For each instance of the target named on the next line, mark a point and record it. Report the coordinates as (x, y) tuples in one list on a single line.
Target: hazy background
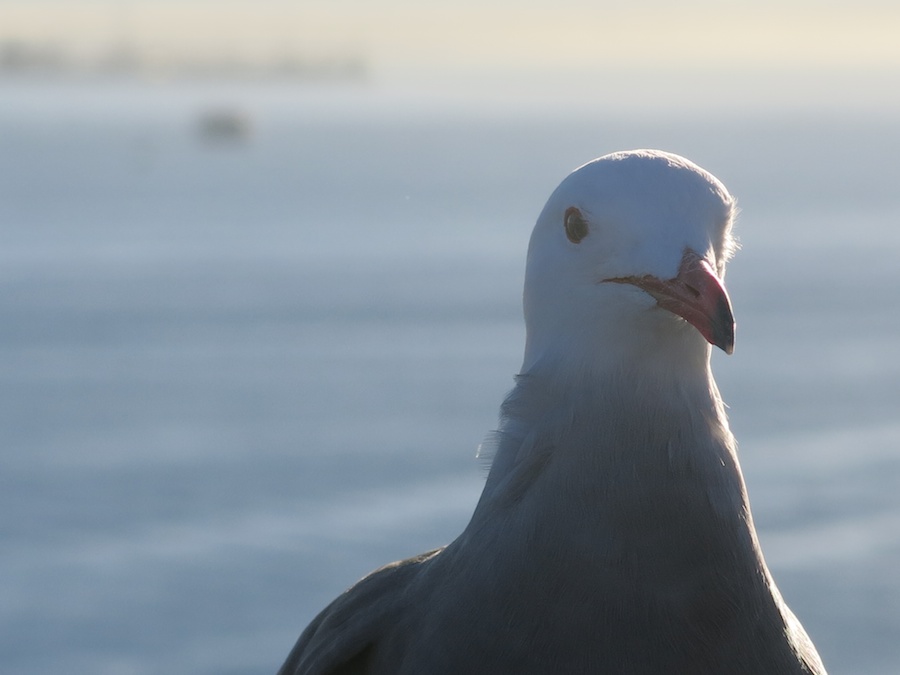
[(260, 285)]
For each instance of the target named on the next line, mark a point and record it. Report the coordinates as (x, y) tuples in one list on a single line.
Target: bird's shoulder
[(341, 639)]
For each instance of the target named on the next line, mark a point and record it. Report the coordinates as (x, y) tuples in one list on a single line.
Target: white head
[(625, 266)]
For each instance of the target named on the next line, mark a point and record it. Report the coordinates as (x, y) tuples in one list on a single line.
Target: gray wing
[(343, 638)]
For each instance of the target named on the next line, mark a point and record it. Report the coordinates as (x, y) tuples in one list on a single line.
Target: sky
[(695, 54), (402, 35)]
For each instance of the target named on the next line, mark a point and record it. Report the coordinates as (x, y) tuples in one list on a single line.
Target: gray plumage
[(614, 533)]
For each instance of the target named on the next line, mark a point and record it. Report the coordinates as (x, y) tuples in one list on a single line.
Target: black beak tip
[(723, 327)]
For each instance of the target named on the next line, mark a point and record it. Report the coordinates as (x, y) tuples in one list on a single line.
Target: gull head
[(626, 266)]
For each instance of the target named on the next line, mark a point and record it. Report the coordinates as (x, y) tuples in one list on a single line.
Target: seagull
[(614, 533)]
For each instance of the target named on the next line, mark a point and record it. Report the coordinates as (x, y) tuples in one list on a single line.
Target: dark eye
[(576, 225)]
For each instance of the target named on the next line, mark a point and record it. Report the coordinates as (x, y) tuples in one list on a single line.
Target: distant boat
[(224, 125)]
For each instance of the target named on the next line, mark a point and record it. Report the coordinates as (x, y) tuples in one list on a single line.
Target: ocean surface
[(238, 373)]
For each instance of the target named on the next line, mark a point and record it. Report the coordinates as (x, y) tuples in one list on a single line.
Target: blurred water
[(236, 376)]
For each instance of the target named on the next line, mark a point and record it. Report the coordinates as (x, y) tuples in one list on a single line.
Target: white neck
[(591, 422)]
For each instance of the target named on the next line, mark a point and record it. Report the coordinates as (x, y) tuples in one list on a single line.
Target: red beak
[(697, 295)]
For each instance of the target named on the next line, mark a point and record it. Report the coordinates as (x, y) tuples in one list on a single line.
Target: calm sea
[(237, 373)]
